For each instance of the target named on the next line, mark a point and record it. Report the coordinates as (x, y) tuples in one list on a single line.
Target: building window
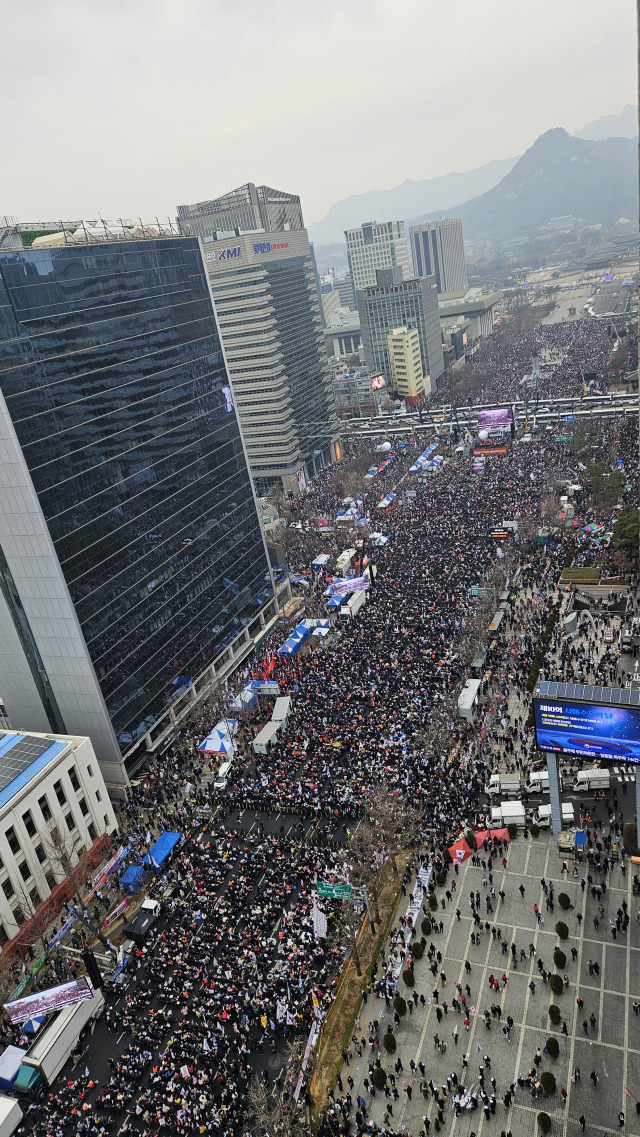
[(90, 771), (70, 822), (60, 794), (34, 897), (44, 808), (40, 854), (25, 871), (73, 778), (3, 935), (98, 795), (91, 830), (12, 840), (7, 888), (51, 880), (84, 808), (29, 823)]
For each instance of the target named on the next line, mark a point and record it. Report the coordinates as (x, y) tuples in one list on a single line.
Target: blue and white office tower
[(133, 569)]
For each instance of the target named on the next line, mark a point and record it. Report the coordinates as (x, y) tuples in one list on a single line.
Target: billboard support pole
[(554, 793), (637, 776)]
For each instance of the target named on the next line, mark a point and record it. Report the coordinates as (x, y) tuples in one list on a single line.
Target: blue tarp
[(162, 849), (131, 881)]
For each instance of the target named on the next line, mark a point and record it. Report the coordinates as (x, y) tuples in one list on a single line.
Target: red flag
[(459, 851)]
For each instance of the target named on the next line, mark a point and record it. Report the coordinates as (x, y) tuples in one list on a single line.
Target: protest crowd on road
[(237, 974)]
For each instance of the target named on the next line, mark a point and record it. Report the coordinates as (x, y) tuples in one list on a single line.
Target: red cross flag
[(459, 851)]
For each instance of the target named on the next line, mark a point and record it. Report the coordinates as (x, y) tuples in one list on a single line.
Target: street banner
[(63, 931), (115, 913), (460, 851), (346, 586), (319, 921), (47, 1001)]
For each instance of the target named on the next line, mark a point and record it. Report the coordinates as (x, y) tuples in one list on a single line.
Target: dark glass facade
[(112, 372)]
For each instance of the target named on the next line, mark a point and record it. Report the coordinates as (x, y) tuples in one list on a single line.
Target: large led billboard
[(587, 730), (50, 1000)]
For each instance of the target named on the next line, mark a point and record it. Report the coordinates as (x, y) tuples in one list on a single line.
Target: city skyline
[(100, 105)]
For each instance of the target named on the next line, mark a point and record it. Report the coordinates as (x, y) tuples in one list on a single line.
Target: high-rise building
[(405, 360), (133, 571), (437, 249), (243, 210), (269, 315), (396, 303), (375, 246)]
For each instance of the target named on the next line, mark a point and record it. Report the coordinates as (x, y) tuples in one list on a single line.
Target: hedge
[(556, 984), (399, 1005), (389, 1042), (564, 901), (417, 949), (559, 958), (426, 926), (553, 1047), (380, 1076), (512, 830), (562, 930), (544, 1122), (433, 901), (554, 1013), (441, 878), (408, 977), (535, 830)]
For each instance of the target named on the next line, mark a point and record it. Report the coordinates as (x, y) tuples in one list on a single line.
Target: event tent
[(162, 850)]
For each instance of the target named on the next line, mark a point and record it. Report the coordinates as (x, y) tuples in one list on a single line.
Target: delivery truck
[(503, 785), (542, 816), (538, 782), (139, 927), (54, 1046), (508, 813), (592, 779)]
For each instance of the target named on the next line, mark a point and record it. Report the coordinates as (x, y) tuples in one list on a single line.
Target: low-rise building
[(55, 812), (359, 394), (473, 305)]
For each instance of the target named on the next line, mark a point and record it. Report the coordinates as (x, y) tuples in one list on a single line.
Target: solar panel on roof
[(20, 756)]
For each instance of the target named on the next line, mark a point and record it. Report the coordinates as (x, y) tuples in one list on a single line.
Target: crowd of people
[(238, 972)]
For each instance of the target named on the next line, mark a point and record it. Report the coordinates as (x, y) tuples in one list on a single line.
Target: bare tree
[(272, 1110)]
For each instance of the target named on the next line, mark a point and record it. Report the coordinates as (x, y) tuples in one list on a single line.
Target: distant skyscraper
[(269, 315), (437, 249), (374, 246), (244, 209), (395, 303), (133, 570)]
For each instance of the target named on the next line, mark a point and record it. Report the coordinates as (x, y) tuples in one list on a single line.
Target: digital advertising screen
[(588, 730)]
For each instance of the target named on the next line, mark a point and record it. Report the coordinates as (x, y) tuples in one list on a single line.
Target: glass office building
[(131, 554)]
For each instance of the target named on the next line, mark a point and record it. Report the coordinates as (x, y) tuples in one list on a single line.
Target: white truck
[(503, 785), (10, 1116), (592, 779), (352, 606), (508, 813), (54, 1046), (538, 782), (344, 562), (542, 816)]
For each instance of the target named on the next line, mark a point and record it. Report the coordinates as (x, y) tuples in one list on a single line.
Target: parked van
[(592, 779), (542, 816), (538, 782), (222, 777), (501, 785)]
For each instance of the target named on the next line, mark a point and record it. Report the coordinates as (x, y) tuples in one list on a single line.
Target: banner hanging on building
[(50, 1000)]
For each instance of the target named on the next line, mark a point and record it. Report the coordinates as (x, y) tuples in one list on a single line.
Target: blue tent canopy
[(132, 880), (295, 641), (162, 849)]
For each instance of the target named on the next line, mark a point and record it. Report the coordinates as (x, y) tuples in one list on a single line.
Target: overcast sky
[(130, 107)]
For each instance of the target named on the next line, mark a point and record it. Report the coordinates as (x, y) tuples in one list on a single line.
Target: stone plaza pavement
[(611, 1049)]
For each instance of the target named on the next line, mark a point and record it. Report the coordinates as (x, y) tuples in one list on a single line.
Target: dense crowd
[(238, 972)]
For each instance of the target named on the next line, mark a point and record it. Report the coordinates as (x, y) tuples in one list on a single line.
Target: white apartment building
[(375, 246), (47, 782)]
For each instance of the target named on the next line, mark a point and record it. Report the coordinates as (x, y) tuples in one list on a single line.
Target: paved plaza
[(611, 1048)]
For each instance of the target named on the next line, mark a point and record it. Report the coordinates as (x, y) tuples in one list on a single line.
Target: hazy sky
[(129, 107)]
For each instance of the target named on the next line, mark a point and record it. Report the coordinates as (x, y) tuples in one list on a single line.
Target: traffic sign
[(477, 591), (334, 891)]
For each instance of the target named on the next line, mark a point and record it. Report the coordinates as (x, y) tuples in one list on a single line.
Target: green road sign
[(477, 591), (334, 891)]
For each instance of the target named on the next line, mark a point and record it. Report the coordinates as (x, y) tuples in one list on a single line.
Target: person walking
[(582, 1121)]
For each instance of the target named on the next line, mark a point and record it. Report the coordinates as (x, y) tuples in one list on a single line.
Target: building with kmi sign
[(268, 312)]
